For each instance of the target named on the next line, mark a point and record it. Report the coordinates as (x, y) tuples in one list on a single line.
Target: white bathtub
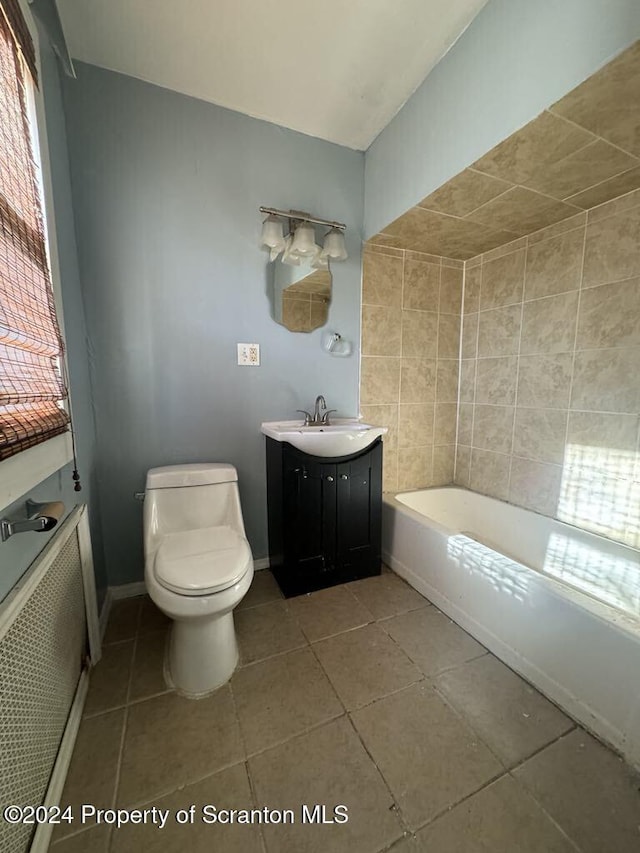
[(557, 604)]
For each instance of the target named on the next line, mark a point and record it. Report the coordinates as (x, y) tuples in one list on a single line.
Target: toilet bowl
[(198, 567)]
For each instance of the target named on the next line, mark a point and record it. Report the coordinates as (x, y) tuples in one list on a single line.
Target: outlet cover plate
[(249, 355)]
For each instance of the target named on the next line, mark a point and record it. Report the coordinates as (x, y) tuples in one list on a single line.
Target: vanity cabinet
[(324, 516)]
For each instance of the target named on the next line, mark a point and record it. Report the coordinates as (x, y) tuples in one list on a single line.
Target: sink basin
[(342, 438)]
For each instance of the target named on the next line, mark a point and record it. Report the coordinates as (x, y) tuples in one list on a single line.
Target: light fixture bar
[(302, 217)]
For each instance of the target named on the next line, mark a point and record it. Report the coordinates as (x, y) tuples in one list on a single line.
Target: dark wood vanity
[(324, 516)]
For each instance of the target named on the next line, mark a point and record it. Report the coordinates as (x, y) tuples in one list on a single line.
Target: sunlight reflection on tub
[(502, 572)]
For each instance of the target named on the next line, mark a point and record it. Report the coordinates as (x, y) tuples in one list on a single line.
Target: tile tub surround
[(549, 393), (411, 306)]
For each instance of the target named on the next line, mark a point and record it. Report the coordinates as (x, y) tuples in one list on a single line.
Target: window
[(32, 389)]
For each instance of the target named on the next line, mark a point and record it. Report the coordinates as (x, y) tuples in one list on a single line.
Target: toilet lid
[(197, 562)]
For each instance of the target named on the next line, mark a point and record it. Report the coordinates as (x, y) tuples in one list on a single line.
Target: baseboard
[(128, 590), (262, 563), (105, 612)]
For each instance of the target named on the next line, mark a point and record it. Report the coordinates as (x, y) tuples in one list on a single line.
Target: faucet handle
[(308, 419), (325, 417)]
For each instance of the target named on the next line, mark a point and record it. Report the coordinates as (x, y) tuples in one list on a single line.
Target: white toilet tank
[(188, 497)]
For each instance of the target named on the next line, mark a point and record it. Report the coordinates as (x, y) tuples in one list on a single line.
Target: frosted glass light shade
[(304, 241), (272, 233), (334, 246)]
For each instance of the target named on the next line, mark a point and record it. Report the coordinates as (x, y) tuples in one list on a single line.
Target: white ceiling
[(338, 69)]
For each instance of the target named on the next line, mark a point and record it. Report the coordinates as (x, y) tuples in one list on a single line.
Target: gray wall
[(515, 59), (17, 554), (166, 191)]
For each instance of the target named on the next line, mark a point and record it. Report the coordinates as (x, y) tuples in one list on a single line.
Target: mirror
[(302, 296)]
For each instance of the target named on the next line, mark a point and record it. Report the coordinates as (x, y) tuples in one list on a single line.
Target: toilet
[(198, 568)]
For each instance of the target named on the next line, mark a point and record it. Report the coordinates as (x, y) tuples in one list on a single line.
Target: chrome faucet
[(320, 415)]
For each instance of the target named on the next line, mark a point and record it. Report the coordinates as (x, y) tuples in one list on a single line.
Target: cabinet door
[(309, 513), (359, 511)]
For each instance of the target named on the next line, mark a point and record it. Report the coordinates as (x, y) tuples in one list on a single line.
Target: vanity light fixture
[(300, 241)]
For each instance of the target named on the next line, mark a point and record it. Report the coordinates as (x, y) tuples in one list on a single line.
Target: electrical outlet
[(249, 355)]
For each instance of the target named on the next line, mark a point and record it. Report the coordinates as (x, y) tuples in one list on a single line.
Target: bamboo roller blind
[(31, 385)]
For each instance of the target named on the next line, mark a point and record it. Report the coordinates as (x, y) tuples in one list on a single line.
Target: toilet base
[(201, 655)]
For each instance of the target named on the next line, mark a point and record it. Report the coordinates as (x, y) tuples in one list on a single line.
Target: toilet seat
[(201, 561)]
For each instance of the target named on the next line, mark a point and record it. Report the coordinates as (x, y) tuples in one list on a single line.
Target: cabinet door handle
[(330, 478), (344, 476)]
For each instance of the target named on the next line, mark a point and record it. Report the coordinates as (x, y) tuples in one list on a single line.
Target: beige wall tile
[(568, 224), (415, 424), (390, 470), (489, 473), (414, 467), (612, 248), (610, 315), (535, 485), (444, 431), (493, 428), (588, 166), (382, 280), (444, 459), (545, 380), (533, 148), (503, 280), (386, 416), (596, 429), (421, 285), (447, 380), (319, 313), (448, 336), (469, 335), (419, 334), (296, 314), (606, 380), (614, 207), (554, 265), (506, 249), (499, 331), (496, 380), (373, 247), (472, 278), (602, 102), (522, 211), (540, 434), (418, 383), (467, 380), (450, 290), (381, 330), (549, 324), (464, 193), (463, 466), (379, 381), (465, 423), (607, 190)]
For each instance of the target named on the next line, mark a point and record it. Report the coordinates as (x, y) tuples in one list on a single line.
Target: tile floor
[(364, 695)]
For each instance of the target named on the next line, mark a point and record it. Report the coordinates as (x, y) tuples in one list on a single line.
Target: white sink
[(342, 438)]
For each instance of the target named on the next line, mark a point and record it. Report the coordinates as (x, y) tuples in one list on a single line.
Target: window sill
[(21, 473)]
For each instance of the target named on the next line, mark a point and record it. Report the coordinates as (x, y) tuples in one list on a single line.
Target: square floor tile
[(263, 589), (109, 679), (123, 619), (328, 611), (590, 792), (171, 740), (327, 766), (94, 840), (428, 756), (508, 714), (267, 630), (147, 678), (151, 617), (228, 789), (281, 697), (387, 595), (92, 773), (432, 640), (502, 818), (365, 664)]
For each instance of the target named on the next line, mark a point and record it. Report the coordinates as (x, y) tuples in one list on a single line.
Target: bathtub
[(558, 605)]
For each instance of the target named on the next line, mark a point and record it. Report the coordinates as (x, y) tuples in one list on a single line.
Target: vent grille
[(40, 665)]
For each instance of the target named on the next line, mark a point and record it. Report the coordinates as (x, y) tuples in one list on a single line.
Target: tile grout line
[(575, 348), (517, 379)]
